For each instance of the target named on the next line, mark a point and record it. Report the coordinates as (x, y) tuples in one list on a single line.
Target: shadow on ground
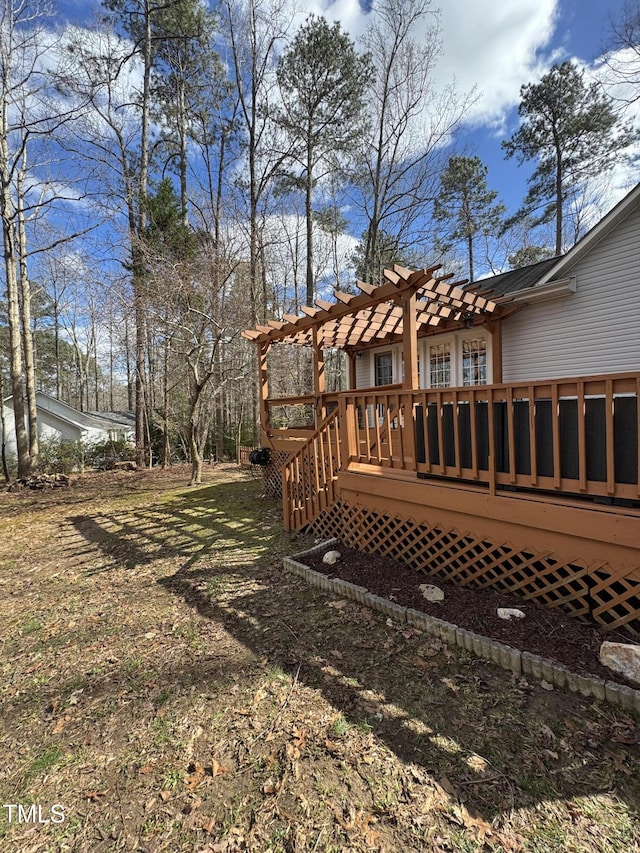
[(435, 708)]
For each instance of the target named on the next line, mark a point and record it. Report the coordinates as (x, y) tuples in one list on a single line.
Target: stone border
[(507, 657)]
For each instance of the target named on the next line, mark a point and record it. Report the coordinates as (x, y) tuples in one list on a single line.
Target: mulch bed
[(547, 632)]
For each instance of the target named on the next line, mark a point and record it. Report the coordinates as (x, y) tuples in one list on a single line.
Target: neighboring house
[(57, 420), (490, 433)]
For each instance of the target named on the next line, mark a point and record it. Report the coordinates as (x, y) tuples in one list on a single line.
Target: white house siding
[(365, 365), (594, 330), (363, 369), (57, 420), (10, 438), (52, 426)]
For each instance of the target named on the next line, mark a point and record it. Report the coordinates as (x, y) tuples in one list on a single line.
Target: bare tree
[(255, 28), (410, 119), (623, 57), (33, 117)]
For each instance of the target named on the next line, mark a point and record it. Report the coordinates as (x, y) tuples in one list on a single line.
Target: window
[(384, 368), (457, 360), (474, 361), (440, 365)]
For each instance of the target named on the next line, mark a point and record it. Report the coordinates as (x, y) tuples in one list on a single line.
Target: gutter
[(545, 292)]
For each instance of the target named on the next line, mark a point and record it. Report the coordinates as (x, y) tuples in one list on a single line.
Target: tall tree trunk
[(166, 443), (111, 366), (197, 461), (56, 346), (3, 427), (308, 210), (138, 264), (558, 202), (25, 319), (127, 347), (15, 350)]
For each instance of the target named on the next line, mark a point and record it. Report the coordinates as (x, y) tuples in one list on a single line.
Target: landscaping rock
[(622, 658), (431, 593), (509, 613), (331, 558)]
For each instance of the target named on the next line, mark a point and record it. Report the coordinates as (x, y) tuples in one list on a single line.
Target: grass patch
[(186, 691), (31, 626), (44, 761)]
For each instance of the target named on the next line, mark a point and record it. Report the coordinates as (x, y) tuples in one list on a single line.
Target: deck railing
[(576, 436), (573, 435), (308, 478)]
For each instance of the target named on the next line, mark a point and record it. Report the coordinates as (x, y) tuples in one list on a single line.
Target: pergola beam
[(350, 304), (377, 312)]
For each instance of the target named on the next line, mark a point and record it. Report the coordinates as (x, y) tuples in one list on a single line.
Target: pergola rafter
[(376, 313), (407, 305)]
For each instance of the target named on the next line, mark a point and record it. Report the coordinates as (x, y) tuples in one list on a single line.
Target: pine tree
[(572, 132), (322, 79), (467, 205)]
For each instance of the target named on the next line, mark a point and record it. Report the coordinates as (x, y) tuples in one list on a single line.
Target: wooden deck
[(531, 488), (571, 437)]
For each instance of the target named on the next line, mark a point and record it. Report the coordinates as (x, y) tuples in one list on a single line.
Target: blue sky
[(495, 48), (568, 29)]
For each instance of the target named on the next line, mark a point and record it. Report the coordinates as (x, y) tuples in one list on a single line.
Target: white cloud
[(496, 47), (492, 47), (623, 176)]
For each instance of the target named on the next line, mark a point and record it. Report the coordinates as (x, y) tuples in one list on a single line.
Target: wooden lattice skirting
[(272, 473), (599, 594)]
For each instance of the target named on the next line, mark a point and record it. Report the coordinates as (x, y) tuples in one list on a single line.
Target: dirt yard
[(166, 685)]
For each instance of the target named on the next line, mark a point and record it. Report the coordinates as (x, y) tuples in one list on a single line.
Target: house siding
[(592, 331), (363, 369)]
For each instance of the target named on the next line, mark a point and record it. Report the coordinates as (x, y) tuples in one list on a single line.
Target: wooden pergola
[(408, 305), (505, 485)]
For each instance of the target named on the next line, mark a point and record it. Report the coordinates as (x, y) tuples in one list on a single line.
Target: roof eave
[(619, 212)]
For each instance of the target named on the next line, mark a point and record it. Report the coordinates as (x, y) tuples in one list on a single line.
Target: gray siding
[(594, 330), (363, 369)]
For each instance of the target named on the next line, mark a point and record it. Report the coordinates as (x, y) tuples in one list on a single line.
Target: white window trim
[(396, 364), (455, 340)]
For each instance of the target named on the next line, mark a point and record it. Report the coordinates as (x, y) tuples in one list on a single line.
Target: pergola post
[(351, 355), (319, 379), (263, 349), (495, 327), (409, 341), (410, 382)]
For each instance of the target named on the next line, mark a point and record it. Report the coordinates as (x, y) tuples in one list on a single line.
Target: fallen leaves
[(358, 823), (95, 796), (471, 821), (212, 748), (198, 773), (195, 778), (271, 786), (217, 769)]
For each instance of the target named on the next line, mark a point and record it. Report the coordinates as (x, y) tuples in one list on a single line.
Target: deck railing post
[(347, 440), (409, 428), (342, 423)]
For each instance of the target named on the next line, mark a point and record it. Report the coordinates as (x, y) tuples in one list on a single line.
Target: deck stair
[(309, 477)]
